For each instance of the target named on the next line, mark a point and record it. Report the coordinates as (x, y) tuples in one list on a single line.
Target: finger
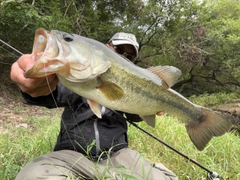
[(25, 62), (160, 113), (43, 81), (45, 89), (49, 81), (42, 91)]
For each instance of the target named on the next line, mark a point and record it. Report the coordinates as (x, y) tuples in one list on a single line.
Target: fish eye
[(68, 37)]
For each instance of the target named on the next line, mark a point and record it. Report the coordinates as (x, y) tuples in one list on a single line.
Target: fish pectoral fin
[(95, 107), (110, 90), (212, 124), (150, 120), (169, 74)]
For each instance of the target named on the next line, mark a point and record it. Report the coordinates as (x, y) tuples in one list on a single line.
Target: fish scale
[(92, 70)]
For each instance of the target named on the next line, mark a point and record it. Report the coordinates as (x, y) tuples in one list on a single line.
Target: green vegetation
[(214, 99), (201, 38), (19, 144), (219, 155)]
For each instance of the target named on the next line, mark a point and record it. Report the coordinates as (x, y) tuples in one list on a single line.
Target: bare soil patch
[(14, 112)]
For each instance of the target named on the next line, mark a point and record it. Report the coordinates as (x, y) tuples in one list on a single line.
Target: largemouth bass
[(92, 70)]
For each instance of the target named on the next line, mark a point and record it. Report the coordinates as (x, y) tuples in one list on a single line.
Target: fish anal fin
[(150, 120), (95, 107), (169, 74), (110, 90), (212, 124)]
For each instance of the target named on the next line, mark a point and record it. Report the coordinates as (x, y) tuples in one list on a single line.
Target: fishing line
[(49, 87), (47, 83), (55, 102), (8, 51), (211, 175)]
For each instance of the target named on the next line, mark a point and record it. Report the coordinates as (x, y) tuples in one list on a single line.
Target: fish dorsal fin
[(110, 90), (150, 120), (169, 74), (95, 107)]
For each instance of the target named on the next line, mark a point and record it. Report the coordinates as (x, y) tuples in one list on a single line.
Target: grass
[(214, 99), (221, 155), (23, 144)]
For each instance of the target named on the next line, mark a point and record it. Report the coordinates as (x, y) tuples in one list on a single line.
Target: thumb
[(26, 62)]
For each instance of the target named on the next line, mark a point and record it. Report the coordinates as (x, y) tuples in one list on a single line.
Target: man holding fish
[(88, 146)]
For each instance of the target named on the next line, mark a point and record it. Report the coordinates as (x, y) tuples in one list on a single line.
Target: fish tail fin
[(211, 124)]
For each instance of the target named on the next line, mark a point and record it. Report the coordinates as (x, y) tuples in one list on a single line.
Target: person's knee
[(165, 170), (44, 168)]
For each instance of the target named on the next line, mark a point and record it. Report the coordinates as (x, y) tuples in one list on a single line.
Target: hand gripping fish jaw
[(94, 71), (211, 175)]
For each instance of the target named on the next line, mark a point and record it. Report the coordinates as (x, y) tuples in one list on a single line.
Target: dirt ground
[(14, 112)]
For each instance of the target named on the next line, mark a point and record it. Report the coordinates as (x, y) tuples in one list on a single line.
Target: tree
[(201, 38), (195, 37)]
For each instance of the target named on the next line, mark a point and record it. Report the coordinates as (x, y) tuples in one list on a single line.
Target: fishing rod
[(211, 175), (11, 47)]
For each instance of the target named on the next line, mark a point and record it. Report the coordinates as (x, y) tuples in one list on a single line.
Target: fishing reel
[(214, 176)]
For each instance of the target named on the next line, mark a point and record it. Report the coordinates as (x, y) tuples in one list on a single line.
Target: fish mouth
[(40, 43), (45, 53)]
